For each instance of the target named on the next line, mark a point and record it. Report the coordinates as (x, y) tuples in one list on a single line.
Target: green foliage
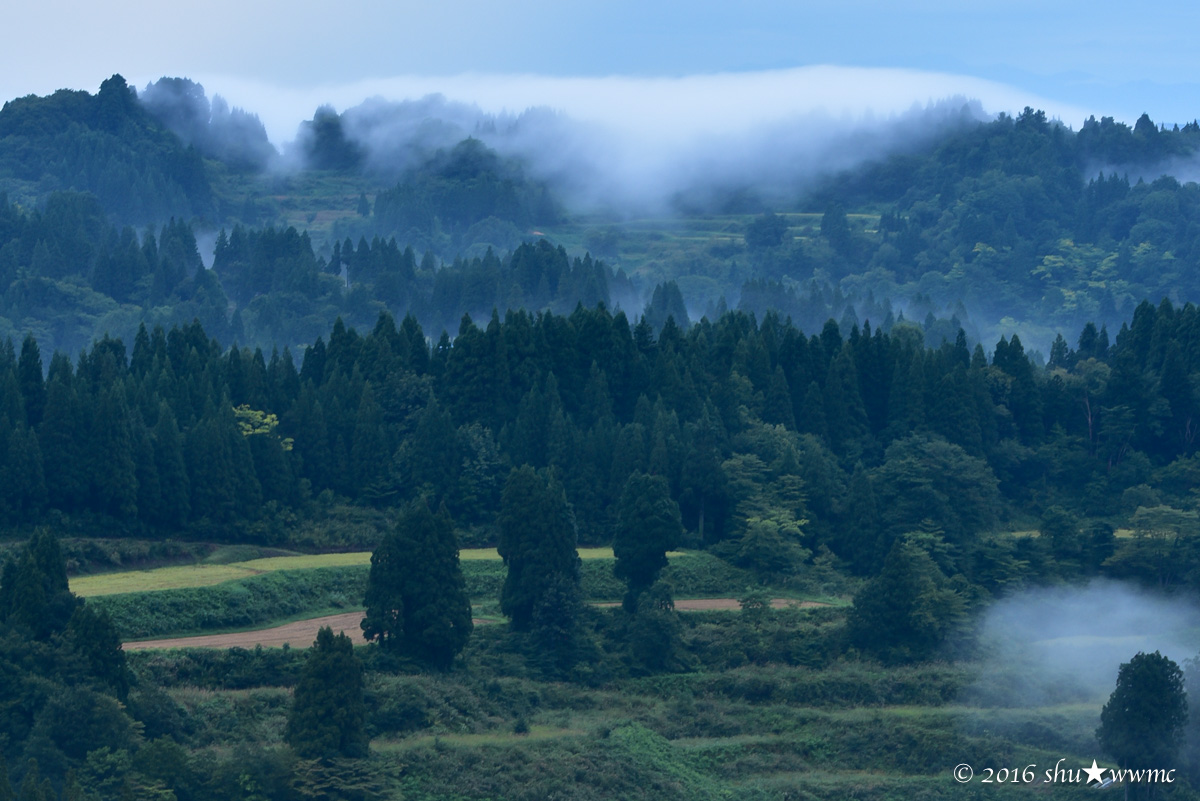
[(766, 231), (537, 543), (1142, 724), (236, 604), (106, 144), (929, 478), (461, 187), (328, 716), (416, 599), (905, 612), (93, 635), (655, 632), (648, 525)]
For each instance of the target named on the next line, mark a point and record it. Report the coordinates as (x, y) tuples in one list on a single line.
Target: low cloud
[(1063, 644), (647, 144)]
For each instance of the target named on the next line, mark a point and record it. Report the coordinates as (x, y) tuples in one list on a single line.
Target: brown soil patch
[(299, 634), (705, 604)]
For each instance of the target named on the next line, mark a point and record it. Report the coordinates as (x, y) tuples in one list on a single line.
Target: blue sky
[(1104, 58)]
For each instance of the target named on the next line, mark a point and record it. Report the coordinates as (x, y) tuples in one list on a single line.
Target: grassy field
[(206, 575)]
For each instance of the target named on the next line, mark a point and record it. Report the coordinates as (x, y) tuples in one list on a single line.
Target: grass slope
[(265, 597), (208, 574)]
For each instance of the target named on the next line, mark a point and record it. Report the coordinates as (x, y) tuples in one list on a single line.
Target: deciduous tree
[(1142, 724)]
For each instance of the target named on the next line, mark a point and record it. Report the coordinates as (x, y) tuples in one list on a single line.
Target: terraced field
[(206, 575)]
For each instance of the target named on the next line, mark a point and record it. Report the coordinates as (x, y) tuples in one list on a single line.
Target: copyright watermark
[(1062, 774)]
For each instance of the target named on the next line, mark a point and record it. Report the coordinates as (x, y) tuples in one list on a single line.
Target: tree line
[(777, 447)]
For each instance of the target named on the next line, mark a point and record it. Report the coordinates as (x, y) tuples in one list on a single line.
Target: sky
[(627, 56)]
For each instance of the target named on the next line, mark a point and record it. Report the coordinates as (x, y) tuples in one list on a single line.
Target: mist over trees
[(971, 220), (230, 135), (424, 327)]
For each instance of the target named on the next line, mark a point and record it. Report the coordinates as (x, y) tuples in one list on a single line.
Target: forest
[(1013, 224), (728, 503)]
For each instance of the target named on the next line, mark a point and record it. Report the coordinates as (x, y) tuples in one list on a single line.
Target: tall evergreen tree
[(93, 636), (328, 715), (416, 598), (537, 543), (29, 374), (648, 525)]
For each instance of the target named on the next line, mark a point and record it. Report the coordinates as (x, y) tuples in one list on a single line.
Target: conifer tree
[(860, 527), (648, 525), (416, 598), (328, 714), (904, 613), (171, 471), (93, 635), (537, 543), (29, 373), (58, 437)]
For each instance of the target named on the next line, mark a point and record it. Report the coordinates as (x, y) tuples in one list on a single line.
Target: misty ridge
[(700, 163), (594, 167), (231, 135)]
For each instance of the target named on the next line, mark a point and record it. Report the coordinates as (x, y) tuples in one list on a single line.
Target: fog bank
[(1062, 644)]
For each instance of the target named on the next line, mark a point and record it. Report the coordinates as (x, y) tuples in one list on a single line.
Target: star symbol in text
[(1095, 773)]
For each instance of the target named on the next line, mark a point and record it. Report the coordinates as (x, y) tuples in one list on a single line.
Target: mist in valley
[(1061, 645)]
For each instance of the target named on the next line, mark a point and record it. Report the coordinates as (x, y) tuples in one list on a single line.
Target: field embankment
[(277, 592), (301, 633)]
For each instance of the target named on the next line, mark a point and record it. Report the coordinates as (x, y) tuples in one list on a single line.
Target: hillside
[(919, 428)]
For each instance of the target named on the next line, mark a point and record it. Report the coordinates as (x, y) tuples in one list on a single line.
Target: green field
[(205, 575)]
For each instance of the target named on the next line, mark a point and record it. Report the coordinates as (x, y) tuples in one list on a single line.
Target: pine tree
[(59, 439), (845, 415), (110, 456), (860, 527), (371, 451), (171, 471), (31, 789), (537, 543), (328, 714), (777, 404), (416, 598)]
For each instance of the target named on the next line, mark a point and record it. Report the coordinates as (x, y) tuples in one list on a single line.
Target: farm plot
[(206, 575)]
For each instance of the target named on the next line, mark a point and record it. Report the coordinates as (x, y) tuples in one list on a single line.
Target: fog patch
[(206, 243), (645, 144), (1058, 645), (1184, 168), (218, 131)]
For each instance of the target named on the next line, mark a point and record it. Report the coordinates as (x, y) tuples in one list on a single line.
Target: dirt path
[(706, 604), (302, 633)]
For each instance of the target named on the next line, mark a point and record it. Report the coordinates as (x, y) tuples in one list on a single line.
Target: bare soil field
[(298, 634), (302, 633)]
